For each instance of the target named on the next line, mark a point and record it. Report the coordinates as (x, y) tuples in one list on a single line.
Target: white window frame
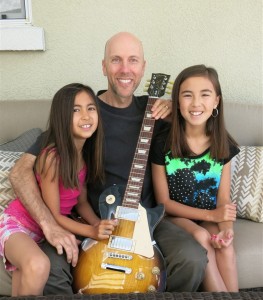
[(20, 34)]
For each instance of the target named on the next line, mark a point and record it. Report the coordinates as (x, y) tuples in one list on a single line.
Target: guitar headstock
[(159, 85)]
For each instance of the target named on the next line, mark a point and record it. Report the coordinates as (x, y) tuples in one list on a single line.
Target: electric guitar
[(129, 261)]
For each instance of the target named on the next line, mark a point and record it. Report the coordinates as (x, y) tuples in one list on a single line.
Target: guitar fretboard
[(133, 190)]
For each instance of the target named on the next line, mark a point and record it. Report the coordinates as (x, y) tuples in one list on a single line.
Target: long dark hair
[(215, 127), (59, 136)]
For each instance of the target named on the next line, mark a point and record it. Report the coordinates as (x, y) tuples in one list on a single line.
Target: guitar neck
[(133, 190)]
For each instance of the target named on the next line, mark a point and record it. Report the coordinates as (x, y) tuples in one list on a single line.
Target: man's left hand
[(162, 109)]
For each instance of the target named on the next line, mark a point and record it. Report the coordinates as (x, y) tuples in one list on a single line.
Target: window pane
[(12, 9)]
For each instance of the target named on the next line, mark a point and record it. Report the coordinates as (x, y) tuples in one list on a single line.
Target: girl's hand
[(161, 109), (223, 239), (104, 229), (226, 212)]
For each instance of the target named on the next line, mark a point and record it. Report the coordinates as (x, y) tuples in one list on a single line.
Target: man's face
[(123, 65)]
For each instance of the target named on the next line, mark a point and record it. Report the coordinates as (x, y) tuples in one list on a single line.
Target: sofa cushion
[(7, 160), (22, 142), (248, 241), (247, 183)]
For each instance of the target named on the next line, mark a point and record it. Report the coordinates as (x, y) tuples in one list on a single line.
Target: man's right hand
[(27, 190), (62, 239)]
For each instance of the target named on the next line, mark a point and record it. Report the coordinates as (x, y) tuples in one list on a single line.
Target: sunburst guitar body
[(129, 261)]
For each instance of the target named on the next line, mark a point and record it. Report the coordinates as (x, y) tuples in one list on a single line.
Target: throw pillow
[(247, 183), (23, 142), (7, 160)]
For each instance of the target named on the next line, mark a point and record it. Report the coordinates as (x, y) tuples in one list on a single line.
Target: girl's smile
[(197, 99)]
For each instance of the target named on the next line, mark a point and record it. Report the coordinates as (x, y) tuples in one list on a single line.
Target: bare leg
[(213, 281), (32, 264), (226, 261)]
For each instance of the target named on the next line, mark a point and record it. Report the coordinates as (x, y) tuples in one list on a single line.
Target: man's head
[(123, 64)]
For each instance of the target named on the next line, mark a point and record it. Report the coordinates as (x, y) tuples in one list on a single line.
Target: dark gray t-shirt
[(121, 130)]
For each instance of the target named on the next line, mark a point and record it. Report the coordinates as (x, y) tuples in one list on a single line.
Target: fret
[(131, 200), (148, 115), (144, 141), (141, 151), (134, 187), (137, 173), (136, 179), (133, 194), (137, 166), (147, 128)]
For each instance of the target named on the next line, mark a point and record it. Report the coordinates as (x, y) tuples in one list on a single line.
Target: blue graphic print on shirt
[(194, 181)]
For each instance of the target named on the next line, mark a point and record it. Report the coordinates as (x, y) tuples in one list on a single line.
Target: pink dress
[(17, 219)]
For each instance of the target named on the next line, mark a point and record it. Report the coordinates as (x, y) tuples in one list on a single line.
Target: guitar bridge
[(119, 256), (116, 268)]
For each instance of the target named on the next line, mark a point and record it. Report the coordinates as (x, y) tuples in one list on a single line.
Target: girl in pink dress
[(71, 155)]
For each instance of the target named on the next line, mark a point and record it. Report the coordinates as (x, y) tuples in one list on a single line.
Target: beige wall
[(225, 34)]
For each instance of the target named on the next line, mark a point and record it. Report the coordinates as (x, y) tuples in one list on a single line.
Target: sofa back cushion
[(247, 183)]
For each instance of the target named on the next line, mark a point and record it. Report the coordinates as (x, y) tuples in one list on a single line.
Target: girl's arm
[(85, 210), (223, 198), (177, 209), (50, 193)]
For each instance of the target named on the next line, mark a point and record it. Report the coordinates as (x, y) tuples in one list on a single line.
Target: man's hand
[(161, 109), (62, 239)]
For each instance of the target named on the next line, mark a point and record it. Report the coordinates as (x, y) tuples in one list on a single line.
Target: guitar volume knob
[(140, 276), (156, 271), (151, 288)]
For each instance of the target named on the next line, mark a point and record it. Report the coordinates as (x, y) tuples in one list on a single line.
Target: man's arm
[(25, 186)]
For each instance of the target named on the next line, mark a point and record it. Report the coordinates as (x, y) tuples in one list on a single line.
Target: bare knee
[(202, 236), (37, 267), (228, 252)]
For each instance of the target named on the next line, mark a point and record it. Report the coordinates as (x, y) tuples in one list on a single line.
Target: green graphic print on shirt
[(194, 181)]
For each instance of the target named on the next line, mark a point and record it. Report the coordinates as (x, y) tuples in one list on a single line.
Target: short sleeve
[(36, 147), (233, 150), (157, 154)]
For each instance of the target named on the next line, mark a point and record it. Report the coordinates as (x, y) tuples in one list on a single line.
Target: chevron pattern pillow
[(7, 160), (247, 182)]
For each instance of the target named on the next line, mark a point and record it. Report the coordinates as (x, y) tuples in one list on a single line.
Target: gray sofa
[(243, 121)]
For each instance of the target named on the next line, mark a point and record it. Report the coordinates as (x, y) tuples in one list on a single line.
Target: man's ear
[(144, 65), (104, 68)]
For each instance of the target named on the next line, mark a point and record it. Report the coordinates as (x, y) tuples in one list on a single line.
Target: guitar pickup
[(127, 213), (116, 268), (121, 243)]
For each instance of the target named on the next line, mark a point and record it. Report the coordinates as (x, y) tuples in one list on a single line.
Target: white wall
[(225, 34)]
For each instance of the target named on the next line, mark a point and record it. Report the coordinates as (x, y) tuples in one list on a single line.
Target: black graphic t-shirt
[(194, 180)]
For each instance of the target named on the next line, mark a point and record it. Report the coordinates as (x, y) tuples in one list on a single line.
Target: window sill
[(22, 38)]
